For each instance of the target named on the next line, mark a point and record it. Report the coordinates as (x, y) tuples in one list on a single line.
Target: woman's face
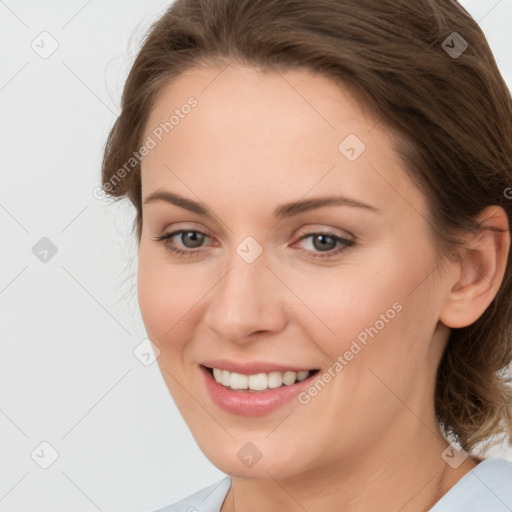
[(349, 288)]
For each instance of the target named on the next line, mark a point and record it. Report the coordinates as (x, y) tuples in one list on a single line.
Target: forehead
[(292, 104), (251, 131)]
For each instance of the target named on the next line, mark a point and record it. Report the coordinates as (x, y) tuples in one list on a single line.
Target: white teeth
[(275, 380), (259, 381), (225, 378), (302, 375), (217, 374), (289, 378), (239, 381)]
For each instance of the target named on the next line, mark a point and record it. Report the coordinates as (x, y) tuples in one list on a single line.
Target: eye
[(322, 244), (191, 239)]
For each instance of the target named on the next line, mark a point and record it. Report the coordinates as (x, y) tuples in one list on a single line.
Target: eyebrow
[(281, 212)]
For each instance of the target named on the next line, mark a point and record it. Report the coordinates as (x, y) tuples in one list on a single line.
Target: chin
[(255, 460)]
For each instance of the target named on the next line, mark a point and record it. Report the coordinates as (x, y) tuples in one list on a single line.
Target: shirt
[(486, 488)]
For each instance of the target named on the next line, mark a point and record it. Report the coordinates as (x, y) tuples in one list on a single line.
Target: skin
[(369, 439)]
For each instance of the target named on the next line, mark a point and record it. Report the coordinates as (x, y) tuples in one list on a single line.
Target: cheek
[(344, 304), (373, 314), (376, 336), (165, 297)]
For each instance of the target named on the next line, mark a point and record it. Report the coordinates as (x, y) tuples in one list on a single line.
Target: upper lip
[(251, 367)]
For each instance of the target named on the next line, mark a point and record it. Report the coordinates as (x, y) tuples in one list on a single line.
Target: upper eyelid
[(319, 229), (334, 232)]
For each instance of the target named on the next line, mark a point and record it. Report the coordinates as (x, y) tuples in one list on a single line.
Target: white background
[(68, 375)]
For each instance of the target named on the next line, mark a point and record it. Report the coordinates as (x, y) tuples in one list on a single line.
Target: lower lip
[(243, 403)]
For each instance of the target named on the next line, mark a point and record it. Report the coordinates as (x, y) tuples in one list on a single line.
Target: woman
[(323, 225)]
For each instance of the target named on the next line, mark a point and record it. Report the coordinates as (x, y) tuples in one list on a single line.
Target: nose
[(247, 302)]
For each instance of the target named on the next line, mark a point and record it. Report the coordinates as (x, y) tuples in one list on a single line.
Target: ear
[(480, 271)]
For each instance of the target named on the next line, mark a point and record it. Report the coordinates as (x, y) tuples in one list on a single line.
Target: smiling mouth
[(260, 381)]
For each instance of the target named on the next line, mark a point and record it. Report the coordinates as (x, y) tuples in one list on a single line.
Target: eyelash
[(317, 255)]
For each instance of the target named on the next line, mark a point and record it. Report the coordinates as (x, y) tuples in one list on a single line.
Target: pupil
[(193, 237), (331, 242)]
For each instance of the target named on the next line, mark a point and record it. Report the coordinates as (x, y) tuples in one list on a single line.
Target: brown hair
[(452, 115)]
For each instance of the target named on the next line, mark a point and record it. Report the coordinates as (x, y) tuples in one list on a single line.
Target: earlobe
[(480, 270)]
